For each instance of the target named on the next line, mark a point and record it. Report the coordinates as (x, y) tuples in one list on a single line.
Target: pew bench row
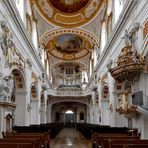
[(112, 137), (117, 141), (21, 140), (33, 136)]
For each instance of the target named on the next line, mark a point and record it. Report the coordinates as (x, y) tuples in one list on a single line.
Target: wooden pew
[(129, 146), (43, 137), (17, 145), (88, 129), (35, 141), (52, 129), (98, 139), (129, 143)]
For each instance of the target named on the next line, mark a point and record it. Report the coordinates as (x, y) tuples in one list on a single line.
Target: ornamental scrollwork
[(6, 42), (6, 88), (13, 57)]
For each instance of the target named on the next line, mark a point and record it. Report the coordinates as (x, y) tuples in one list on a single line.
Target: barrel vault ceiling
[(69, 29)]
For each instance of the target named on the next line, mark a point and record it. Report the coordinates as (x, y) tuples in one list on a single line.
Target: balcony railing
[(69, 92)]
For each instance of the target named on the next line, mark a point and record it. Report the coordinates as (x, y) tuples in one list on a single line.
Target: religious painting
[(68, 43), (69, 6)]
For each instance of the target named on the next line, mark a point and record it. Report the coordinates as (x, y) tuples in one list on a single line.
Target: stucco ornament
[(69, 13), (6, 42), (6, 88)]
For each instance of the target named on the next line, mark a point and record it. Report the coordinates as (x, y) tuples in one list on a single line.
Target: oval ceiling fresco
[(68, 46), (69, 6), (68, 43), (68, 13)]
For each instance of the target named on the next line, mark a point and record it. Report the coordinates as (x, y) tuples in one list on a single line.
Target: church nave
[(70, 138)]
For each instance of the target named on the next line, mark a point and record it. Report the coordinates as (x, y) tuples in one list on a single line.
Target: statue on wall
[(6, 88), (6, 42), (129, 36), (109, 64)]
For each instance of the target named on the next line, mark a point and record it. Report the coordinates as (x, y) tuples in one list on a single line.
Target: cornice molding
[(128, 8), (11, 8)]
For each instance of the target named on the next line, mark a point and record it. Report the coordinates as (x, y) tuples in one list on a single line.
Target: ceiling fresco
[(69, 6), (68, 43), (68, 46), (68, 13)]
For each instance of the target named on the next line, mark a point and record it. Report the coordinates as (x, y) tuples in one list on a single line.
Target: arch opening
[(69, 112)]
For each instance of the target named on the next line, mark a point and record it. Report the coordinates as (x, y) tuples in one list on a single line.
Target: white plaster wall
[(21, 109), (49, 114), (145, 135), (34, 112), (25, 47), (139, 124), (96, 114), (2, 121), (3, 113), (111, 51)]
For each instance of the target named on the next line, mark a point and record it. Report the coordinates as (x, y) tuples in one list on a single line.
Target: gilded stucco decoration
[(13, 57), (68, 44), (68, 13), (130, 63), (6, 88), (68, 6)]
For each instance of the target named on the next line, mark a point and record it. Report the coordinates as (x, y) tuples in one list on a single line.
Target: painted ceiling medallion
[(68, 46), (69, 6), (68, 43), (68, 13)]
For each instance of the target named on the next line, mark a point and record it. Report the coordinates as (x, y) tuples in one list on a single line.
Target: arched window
[(42, 99), (118, 8), (20, 7), (103, 36), (105, 92), (109, 8), (33, 92), (81, 116), (8, 122), (34, 33), (95, 55), (69, 112), (57, 117), (28, 18), (90, 67)]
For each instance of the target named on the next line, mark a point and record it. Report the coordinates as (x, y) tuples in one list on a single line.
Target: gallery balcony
[(69, 92)]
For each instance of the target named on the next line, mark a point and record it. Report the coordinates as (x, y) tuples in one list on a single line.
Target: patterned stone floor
[(70, 138)]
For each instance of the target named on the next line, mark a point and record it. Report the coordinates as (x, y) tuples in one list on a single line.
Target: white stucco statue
[(6, 88)]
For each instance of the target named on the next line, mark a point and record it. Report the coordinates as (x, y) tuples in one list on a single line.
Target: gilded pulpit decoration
[(129, 63)]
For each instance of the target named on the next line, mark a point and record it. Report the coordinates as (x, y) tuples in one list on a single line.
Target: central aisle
[(70, 138)]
